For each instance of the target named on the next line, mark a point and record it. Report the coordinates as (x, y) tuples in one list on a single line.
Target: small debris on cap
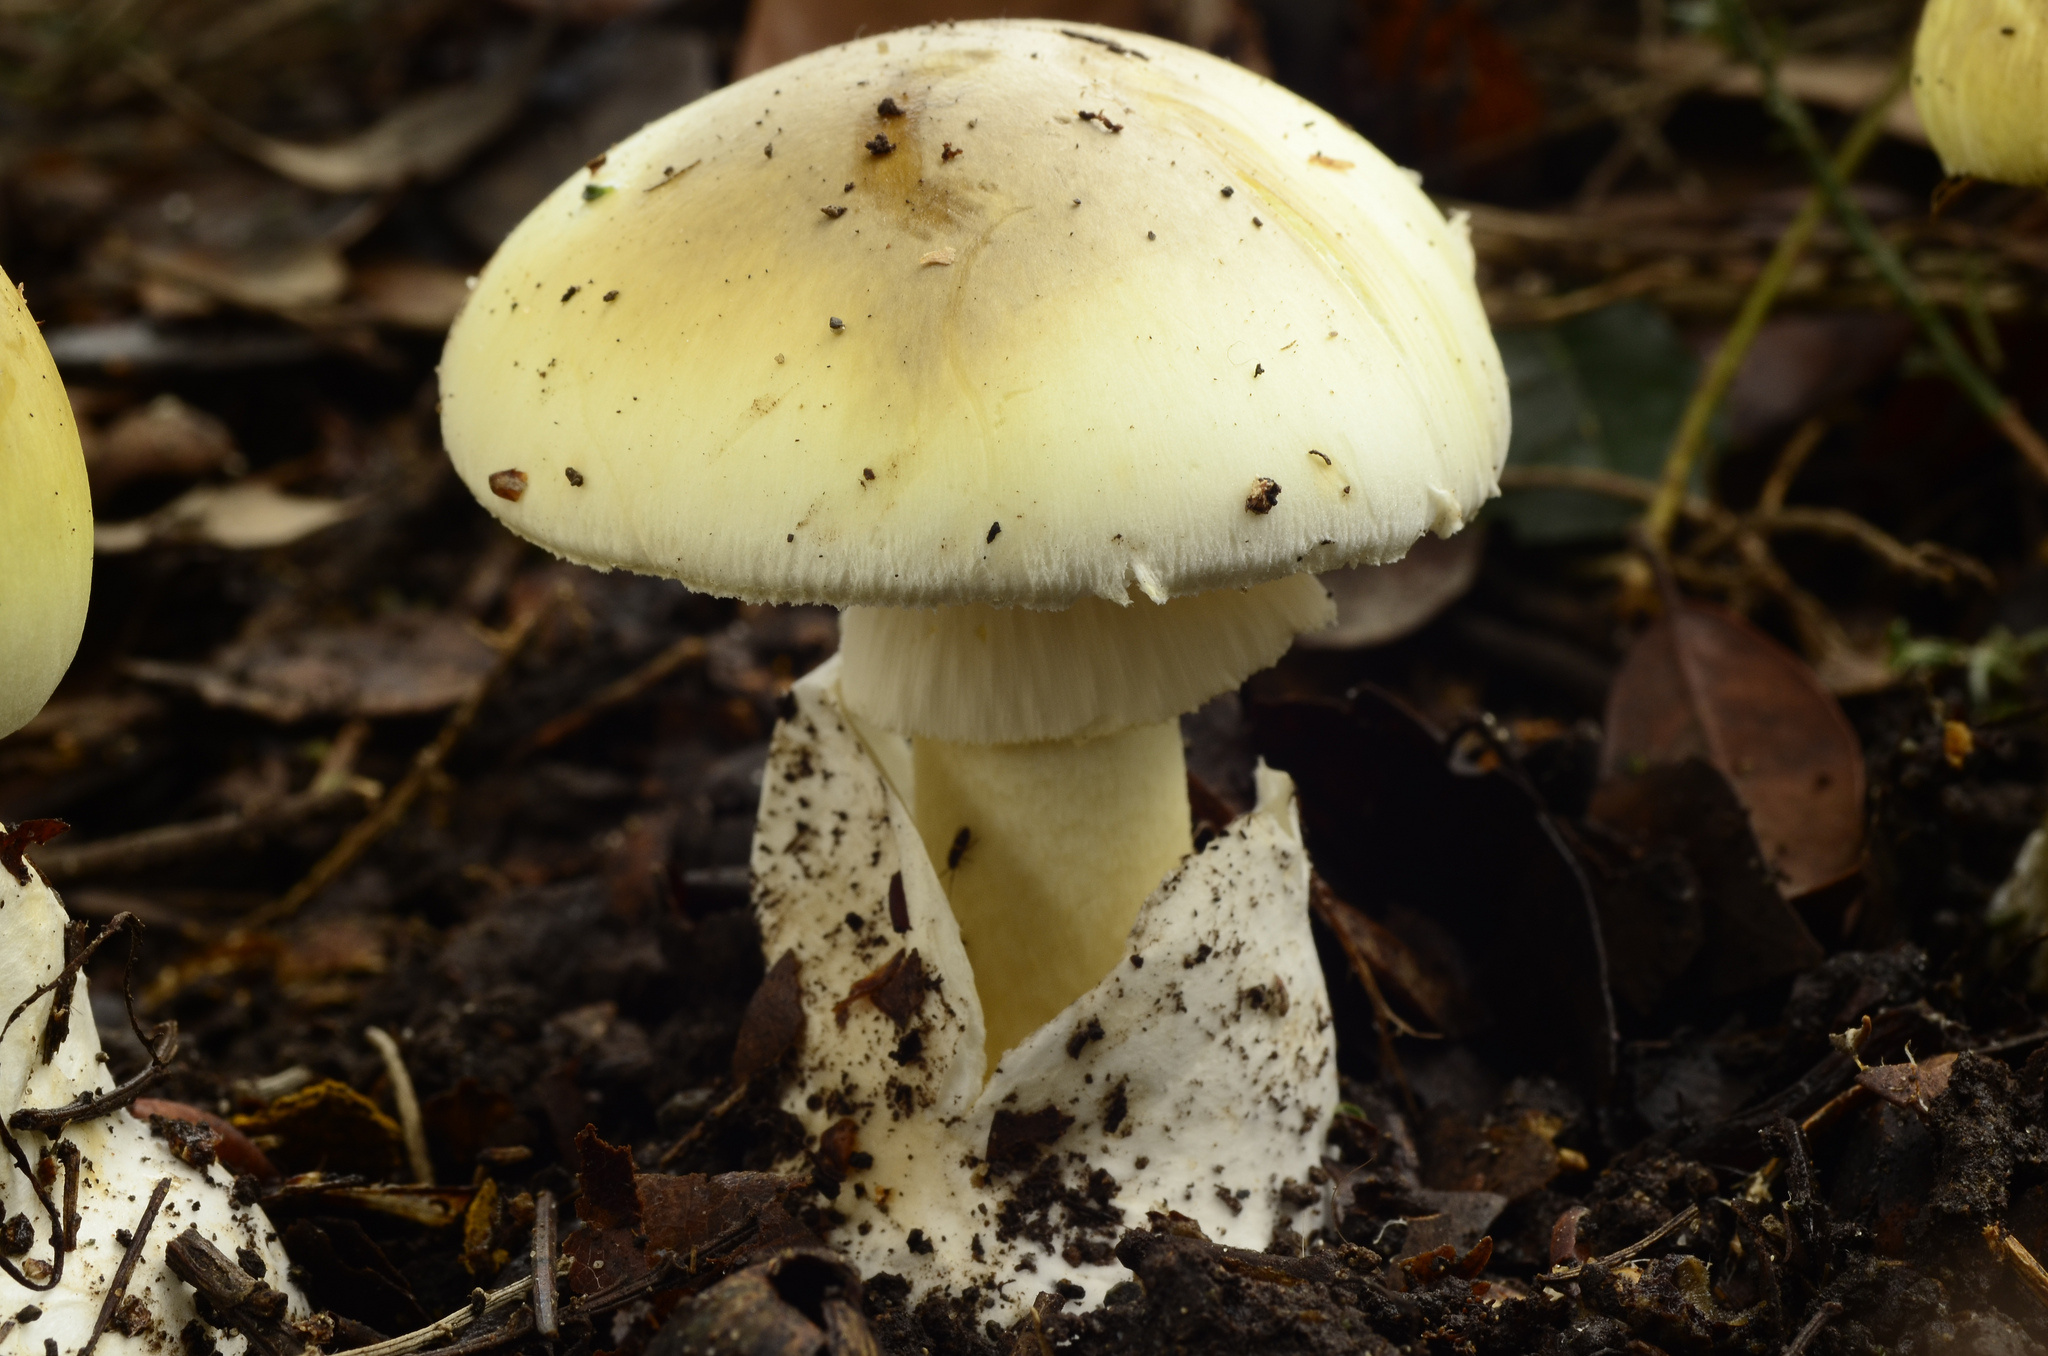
[(596, 162), (940, 257), (508, 484), (1258, 369), (847, 189), (835, 211), (1265, 494), (879, 145), (769, 150), (575, 477), (1257, 222), (994, 530), (947, 151), (1228, 191), (837, 323), (867, 473), (1150, 236), (1321, 457), (889, 108), (612, 295), (592, 192), (1102, 118), (574, 288)]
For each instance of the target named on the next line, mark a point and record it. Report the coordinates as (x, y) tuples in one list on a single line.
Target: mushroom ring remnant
[(1199, 1076), (121, 1162)]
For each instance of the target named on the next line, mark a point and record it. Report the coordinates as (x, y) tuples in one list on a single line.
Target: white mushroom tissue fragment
[(120, 1164), (1199, 1076)]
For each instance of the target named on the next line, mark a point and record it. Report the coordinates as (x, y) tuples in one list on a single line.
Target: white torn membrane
[(1198, 1075), (120, 1164)]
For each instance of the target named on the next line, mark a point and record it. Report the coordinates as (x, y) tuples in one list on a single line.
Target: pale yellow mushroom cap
[(1075, 350), (45, 519), (1980, 78)]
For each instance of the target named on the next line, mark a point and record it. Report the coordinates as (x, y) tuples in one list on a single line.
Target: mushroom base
[(1047, 851), (121, 1163), (1197, 1075)]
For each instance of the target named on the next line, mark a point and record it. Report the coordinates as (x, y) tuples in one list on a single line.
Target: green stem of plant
[(1980, 388), (1691, 439)]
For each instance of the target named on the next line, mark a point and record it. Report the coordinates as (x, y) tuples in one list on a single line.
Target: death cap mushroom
[(1005, 313), (45, 519), (1980, 79)]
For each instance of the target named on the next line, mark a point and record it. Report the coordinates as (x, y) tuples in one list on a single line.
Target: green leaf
[(1602, 390)]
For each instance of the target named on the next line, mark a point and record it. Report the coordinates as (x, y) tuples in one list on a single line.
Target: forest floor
[(1654, 881)]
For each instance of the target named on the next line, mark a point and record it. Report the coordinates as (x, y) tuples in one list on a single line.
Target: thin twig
[(703, 1126), (1926, 560), (161, 1040), (1383, 1017), (544, 1321), (495, 1302), (1633, 1250), (1715, 382), (124, 1273), (1791, 460), (688, 650), (408, 1104), (1610, 484), (426, 765), (2016, 1255), (2005, 414), (1821, 1318), (1508, 308), (515, 1328), (147, 849), (63, 1223)]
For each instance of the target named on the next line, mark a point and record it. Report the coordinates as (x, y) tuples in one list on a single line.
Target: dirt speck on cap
[(509, 485)]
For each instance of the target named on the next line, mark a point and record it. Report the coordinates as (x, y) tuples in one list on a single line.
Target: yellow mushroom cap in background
[(45, 519), (1203, 338), (1980, 78)]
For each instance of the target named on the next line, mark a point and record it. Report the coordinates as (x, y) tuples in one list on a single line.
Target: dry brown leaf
[(1704, 683), (1381, 603), (411, 295), (283, 278), (164, 439), (1848, 84), (401, 665), (421, 140), (251, 515)]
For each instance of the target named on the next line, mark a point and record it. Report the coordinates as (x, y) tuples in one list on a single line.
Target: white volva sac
[(1197, 1076), (121, 1163), (45, 581)]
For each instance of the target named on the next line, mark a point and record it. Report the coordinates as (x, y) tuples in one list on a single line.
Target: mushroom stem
[(1046, 851)]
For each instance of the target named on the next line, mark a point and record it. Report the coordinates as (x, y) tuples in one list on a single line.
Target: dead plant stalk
[(1715, 382), (426, 768), (2004, 414)]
